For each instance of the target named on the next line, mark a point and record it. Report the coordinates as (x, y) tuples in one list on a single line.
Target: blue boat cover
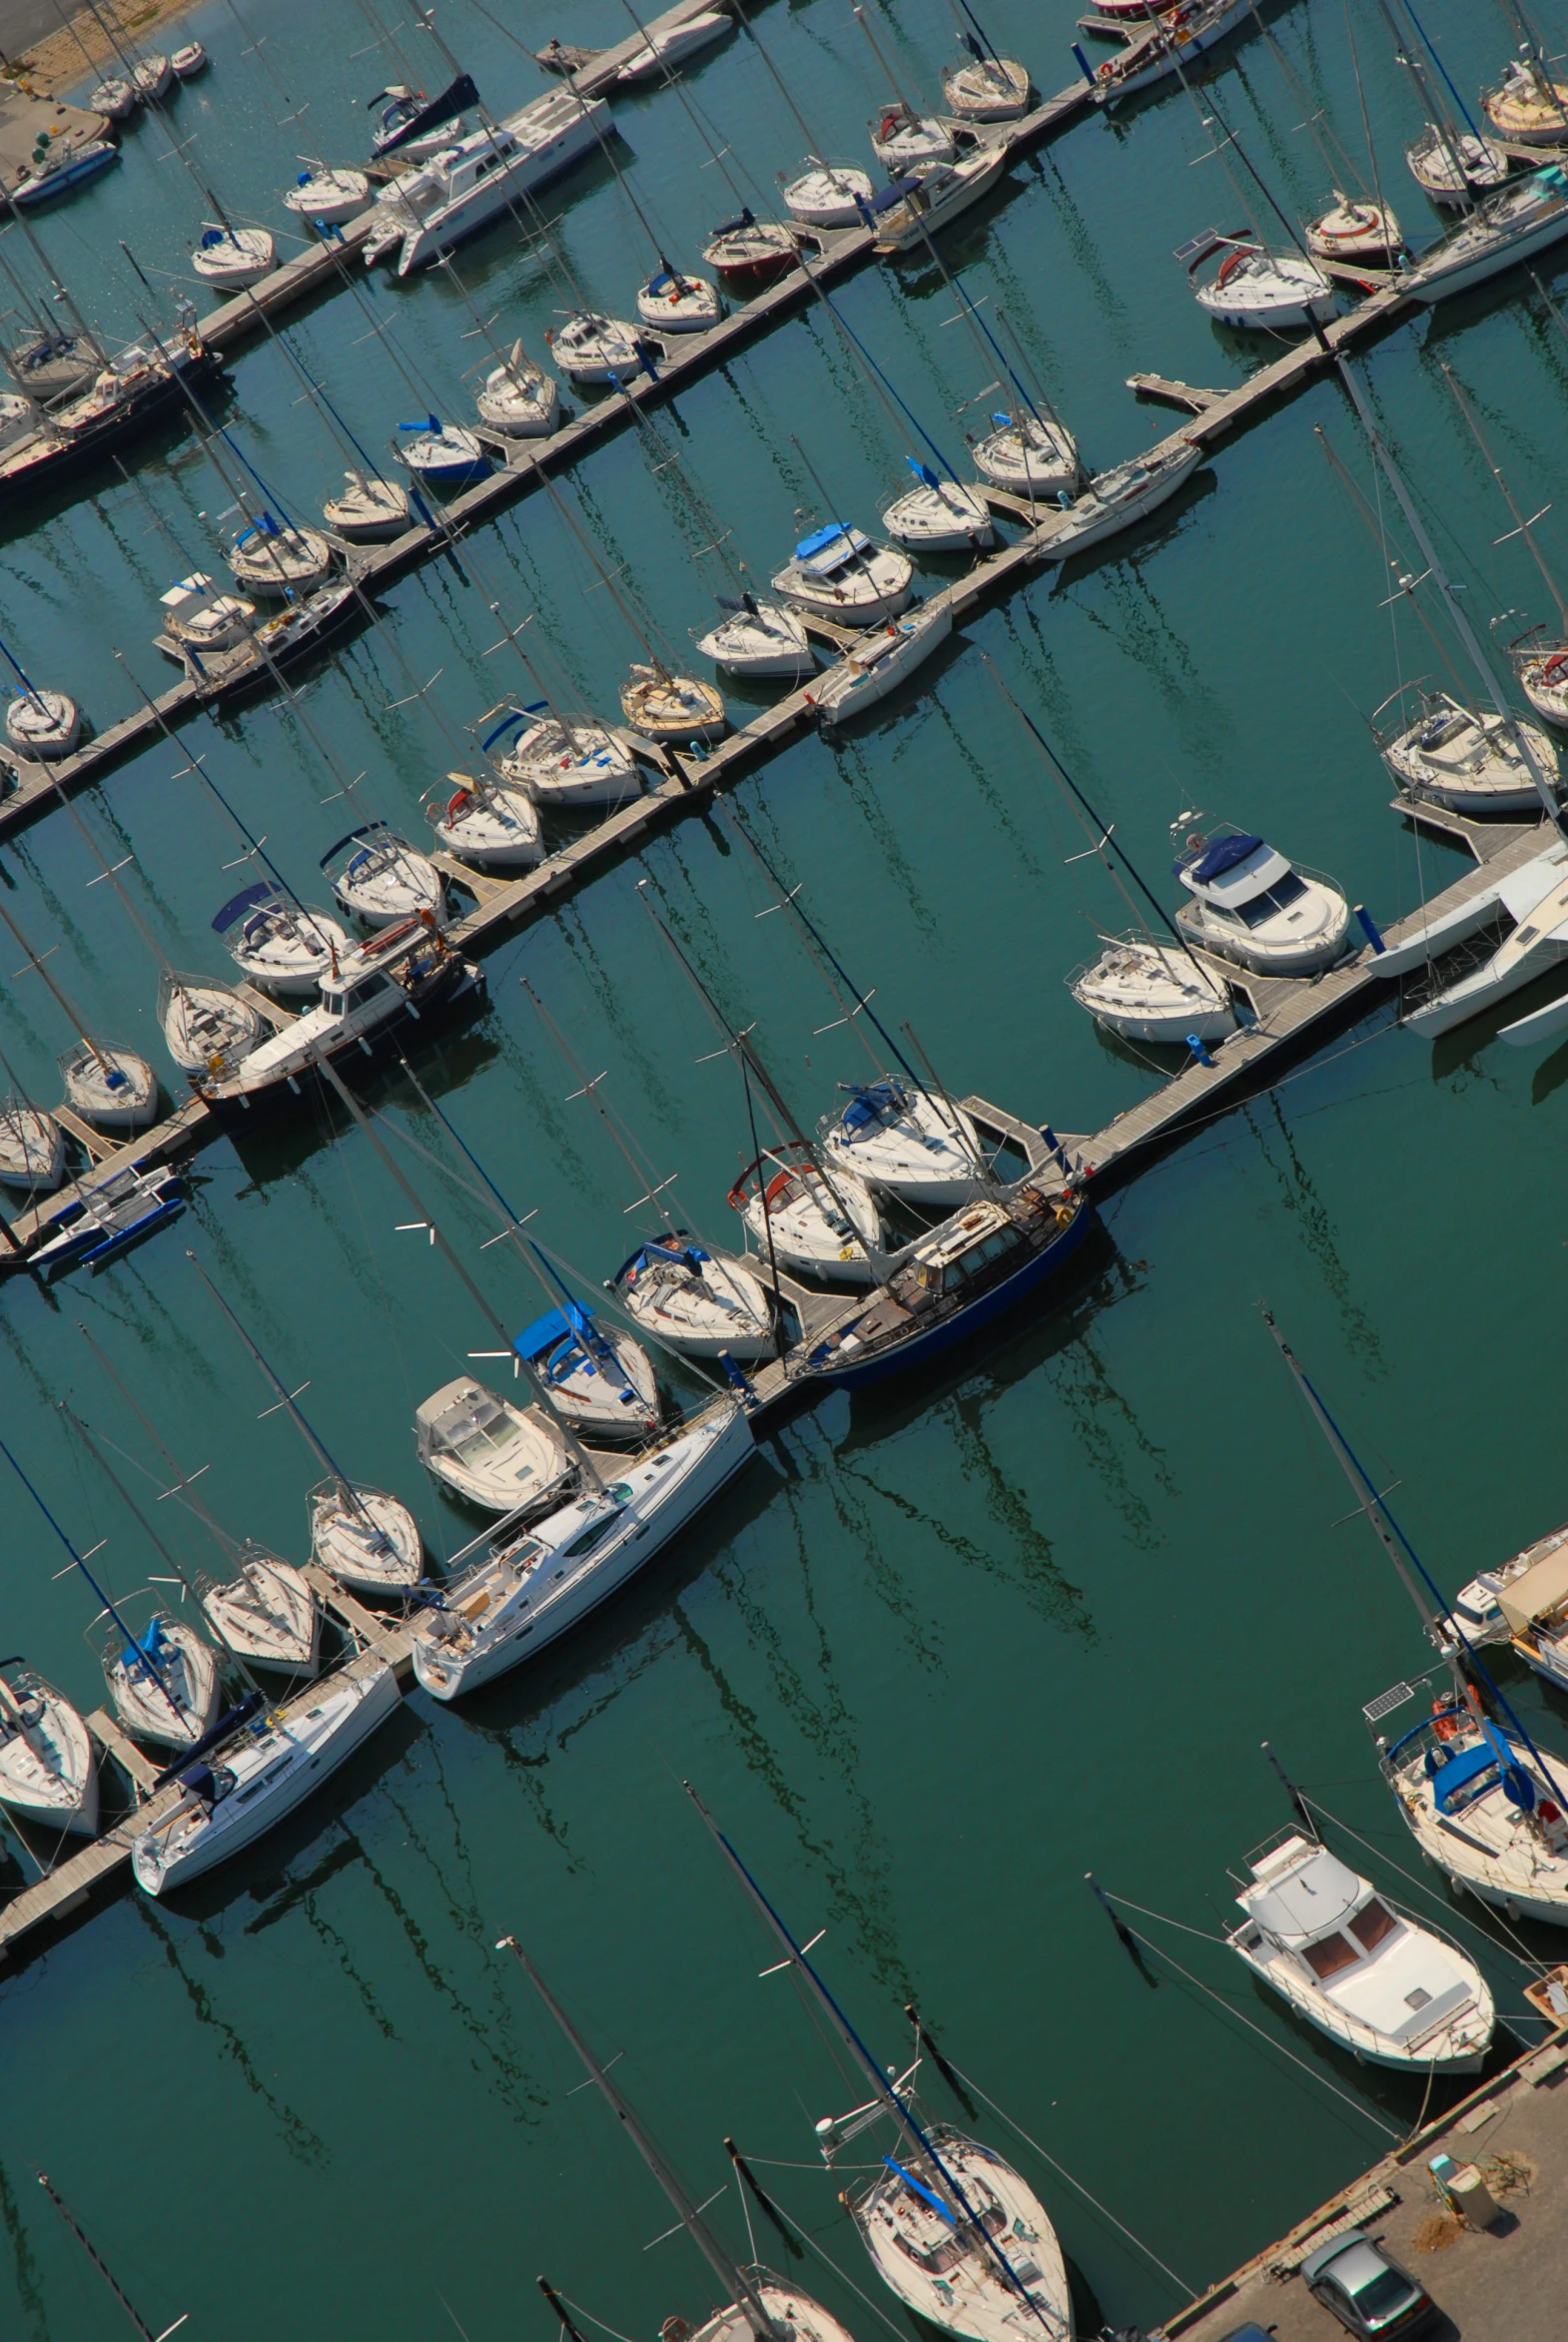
[(885, 197), (263, 891), (548, 1330), (1223, 855), (820, 540), (926, 2194), (1457, 1774), (676, 1246), (871, 1103)]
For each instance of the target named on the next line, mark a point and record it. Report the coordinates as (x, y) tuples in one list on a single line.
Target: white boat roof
[(981, 1219), (1231, 870), (1301, 1895), (1536, 1590)]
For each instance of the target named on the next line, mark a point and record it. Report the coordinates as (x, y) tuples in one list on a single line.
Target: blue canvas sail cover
[(871, 1103), (265, 889), (1217, 858), (1454, 1776), (456, 98), (927, 2195), (555, 1325)]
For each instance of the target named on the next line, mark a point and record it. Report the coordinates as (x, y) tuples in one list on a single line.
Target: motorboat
[(328, 196), (594, 349), (42, 724), (1453, 168), (880, 661), (1528, 108), (825, 1223), (489, 822), (1255, 288), (1356, 230), (1504, 229), (115, 98), (571, 766), (500, 1457), (910, 211), (1469, 763), (378, 877), (987, 89), (463, 186), (61, 170), (413, 126), (602, 1381), (265, 1614), (519, 399), (280, 558), (32, 1146), (901, 138), (1485, 1809), (938, 517), (154, 77), (187, 63), (1535, 898), (828, 195), (947, 1285), (1185, 32), (838, 574), (747, 253), (1116, 500), (105, 1217), (1323, 1937), (367, 1540), (1028, 454), (904, 1142), (112, 1088), (520, 1595), (164, 1682), (661, 706), (207, 1026), (664, 46), (677, 304), (687, 1300), (48, 1773), (233, 257), (199, 616), (756, 639), (278, 943), (368, 508), (19, 417), (1247, 903), (247, 1785), (1154, 991), (444, 454)]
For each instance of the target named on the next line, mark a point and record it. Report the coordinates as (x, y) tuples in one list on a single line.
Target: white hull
[(572, 766), (32, 1147), (704, 1311), (661, 51), (971, 2298), (1511, 226), (684, 305), (290, 953), (678, 708), (1154, 993), (266, 1614), (772, 644), (207, 1026), (916, 1147), (369, 509), (449, 198), (828, 1232), (1536, 945), (371, 1546), (1116, 500), (230, 261), (877, 666), (994, 89), (1469, 763), (48, 1773), (942, 198), (595, 350), (518, 400), (111, 1088), (1028, 457), (823, 198), (495, 827), (47, 724), (945, 520), (330, 197), (1265, 292), (173, 1707), (281, 563), (493, 1454)]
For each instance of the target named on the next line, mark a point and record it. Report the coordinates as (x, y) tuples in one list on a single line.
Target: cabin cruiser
[(378, 876), (1118, 498), (498, 1456), (1154, 991), (879, 661), (1469, 763), (1504, 229), (47, 1769), (278, 943), (838, 574), (910, 212), (366, 1539), (467, 182), (1255, 288), (687, 1300), (199, 616), (1372, 1980), (904, 1142), (1247, 903), (756, 639), (805, 1218), (602, 1381), (1483, 1808), (487, 822), (1453, 169)]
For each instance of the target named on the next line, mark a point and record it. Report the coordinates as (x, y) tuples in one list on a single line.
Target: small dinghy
[(328, 196), (603, 1382), (1451, 170), (914, 209), (444, 454), (368, 508), (1247, 903), (571, 766), (42, 724), (487, 822), (207, 1026), (105, 1217), (503, 1458), (199, 616), (231, 258), (266, 1614), (938, 517), (1391, 1992), (806, 1219), (1118, 498), (187, 63), (154, 77), (827, 196), (19, 419), (838, 574), (519, 399), (117, 98), (1485, 1809), (364, 1538), (901, 138), (67, 167), (1527, 108), (747, 253), (678, 304), (1028, 454), (248, 1784), (280, 559), (662, 706), (378, 876), (32, 1146), (757, 639), (1154, 991), (1469, 763), (880, 662), (278, 943), (112, 1088), (903, 1143), (164, 1682), (592, 349), (986, 89), (1257, 289), (666, 46), (1352, 231), (689, 1301), (47, 1769)]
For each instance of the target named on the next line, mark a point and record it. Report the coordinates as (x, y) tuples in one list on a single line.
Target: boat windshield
[(1278, 896), (1330, 1956), (1373, 1925)]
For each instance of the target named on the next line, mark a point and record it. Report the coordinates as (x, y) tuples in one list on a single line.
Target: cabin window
[(363, 992), (1372, 1925), (1278, 896), (587, 1538), (1328, 1957)]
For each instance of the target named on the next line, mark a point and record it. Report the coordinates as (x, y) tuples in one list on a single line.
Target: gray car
[(1369, 2293)]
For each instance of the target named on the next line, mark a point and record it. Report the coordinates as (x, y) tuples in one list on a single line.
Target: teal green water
[(935, 1656)]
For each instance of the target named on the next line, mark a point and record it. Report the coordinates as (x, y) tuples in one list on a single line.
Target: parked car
[(1367, 2292)]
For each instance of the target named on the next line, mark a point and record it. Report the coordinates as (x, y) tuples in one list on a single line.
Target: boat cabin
[(831, 549), (1308, 1912), (1241, 881), (983, 1235)]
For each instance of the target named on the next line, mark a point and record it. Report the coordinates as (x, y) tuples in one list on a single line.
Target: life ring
[(1104, 72)]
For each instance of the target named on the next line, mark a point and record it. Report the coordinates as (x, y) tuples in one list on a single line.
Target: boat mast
[(728, 2272), (35, 960), (1521, 526), (183, 1485), (103, 2268)]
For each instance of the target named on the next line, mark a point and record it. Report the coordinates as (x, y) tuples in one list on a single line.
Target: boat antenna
[(890, 2096), (729, 2273), (103, 2268)]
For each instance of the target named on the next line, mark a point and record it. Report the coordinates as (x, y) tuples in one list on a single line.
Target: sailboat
[(517, 398), (277, 942), (280, 559), (558, 761), (985, 88), (1448, 754), (48, 1773), (757, 639), (113, 1087), (950, 2226), (328, 195), (673, 1288), (903, 1141), (230, 258), (484, 820), (376, 876), (32, 1144), (837, 573), (1499, 233)]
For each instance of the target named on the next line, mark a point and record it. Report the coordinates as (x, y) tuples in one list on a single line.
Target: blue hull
[(921, 1348)]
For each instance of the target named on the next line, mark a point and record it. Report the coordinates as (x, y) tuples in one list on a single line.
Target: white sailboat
[(369, 1541), (278, 942), (828, 195), (880, 661), (164, 1681), (368, 508), (906, 1142), (41, 723), (113, 1087), (487, 822), (1027, 454), (592, 349), (328, 196), (1528, 108), (230, 258), (939, 515), (907, 215), (280, 559), (502, 1457), (757, 639), (598, 1380), (569, 765), (662, 706), (1118, 498), (663, 46), (1255, 288), (1471, 763), (986, 88), (675, 301), (207, 1025), (32, 1146), (1453, 167), (517, 398), (687, 1300), (376, 876), (1502, 231), (796, 1215), (901, 138), (1154, 992), (48, 1773), (838, 574)]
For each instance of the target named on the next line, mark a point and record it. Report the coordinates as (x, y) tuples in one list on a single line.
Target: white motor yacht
[(1154, 991), (756, 639), (42, 724), (1452, 171), (1119, 499), (1255, 288), (207, 1026), (664, 46), (1469, 763), (1373, 1981), (280, 559), (602, 1381), (230, 258), (112, 1088), (366, 1539), (1247, 903), (900, 138), (378, 876), (838, 574), (520, 1596), (594, 349), (469, 180), (47, 1769), (1504, 229), (164, 1683), (938, 517), (519, 399), (32, 1146), (278, 942), (678, 708), (903, 1141), (882, 659), (266, 1614), (918, 207), (1483, 1809), (827, 195), (679, 1293), (200, 617), (987, 89), (571, 766), (1028, 454), (368, 508), (328, 197), (1536, 899), (487, 822), (675, 303), (825, 1223), (500, 1457)]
